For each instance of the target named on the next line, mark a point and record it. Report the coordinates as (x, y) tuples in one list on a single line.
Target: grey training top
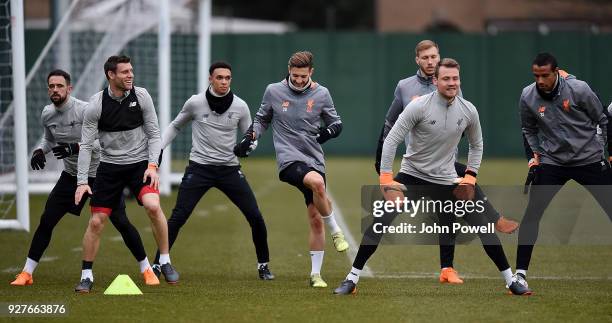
[(120, 147), (564, 130), (296, 119), (63, 124), (213, 135), (407, 90), (435, 129)]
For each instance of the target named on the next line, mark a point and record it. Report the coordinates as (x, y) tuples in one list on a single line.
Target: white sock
[(353, 275), (87, 273), (330, 221), (316, 257), (30, 265), (259, 264), (164, 258), (522, 271), (144, 265), (507, 274)]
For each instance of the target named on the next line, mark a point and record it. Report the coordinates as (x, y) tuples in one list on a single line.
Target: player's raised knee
[(96, 223), (315, 182)]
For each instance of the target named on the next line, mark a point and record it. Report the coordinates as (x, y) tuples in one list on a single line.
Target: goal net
[(89, 32)]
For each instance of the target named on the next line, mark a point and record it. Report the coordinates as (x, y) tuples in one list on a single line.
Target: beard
[(58, 99)]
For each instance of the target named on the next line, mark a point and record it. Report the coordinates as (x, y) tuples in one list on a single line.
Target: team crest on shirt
[(285, 105), (541, 110), (566, 105), (309, 105), (459, 122)]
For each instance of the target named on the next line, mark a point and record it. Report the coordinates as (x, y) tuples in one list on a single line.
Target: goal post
[(151, 32), (17, 62)]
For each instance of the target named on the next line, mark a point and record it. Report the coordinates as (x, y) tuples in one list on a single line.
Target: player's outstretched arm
[(151, 125), (264, 115), (89, 136)]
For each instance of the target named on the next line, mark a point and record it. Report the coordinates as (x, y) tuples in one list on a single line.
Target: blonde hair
[(424, 45)]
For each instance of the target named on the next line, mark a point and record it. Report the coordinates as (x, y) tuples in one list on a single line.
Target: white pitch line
[(48, 259), (354, 246), (12, 270), (424, 275)]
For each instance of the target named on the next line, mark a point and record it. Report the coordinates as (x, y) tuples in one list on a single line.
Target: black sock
[(87, 265)]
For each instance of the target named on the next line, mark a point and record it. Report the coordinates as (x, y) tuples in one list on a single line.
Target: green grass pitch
[(216, 259)]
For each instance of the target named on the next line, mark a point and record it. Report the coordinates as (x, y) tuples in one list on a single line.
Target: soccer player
[(408, 89), (215, 114), (123, 117), (303, 118), (62, 120), (560, 118), (428, 167)]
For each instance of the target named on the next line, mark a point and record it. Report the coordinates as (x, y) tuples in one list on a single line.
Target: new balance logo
[(432, 122)]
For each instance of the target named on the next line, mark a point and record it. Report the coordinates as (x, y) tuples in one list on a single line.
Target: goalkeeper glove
[(466, 190), (63, 150), (38, 159), (392, 190)]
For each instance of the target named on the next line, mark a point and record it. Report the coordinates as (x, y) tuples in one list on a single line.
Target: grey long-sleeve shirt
[(296, 119), (564, 130), (63, 124), (120, 147), (406, 90), (435, 130), (213, 135)]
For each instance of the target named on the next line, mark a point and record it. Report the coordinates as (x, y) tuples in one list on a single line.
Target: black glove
[(159, 159), (324, 135), (63, 150), (328, 133), (531, 175), (243, 148), (38, 159), (381, 141)]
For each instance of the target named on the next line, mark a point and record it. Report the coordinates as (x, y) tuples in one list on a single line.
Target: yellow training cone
[(122, 285)]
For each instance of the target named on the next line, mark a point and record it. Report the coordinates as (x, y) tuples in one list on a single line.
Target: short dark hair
[(543, 59), (301, 59), (219, 64), (59, 72), (113, 61), (448, 63)]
